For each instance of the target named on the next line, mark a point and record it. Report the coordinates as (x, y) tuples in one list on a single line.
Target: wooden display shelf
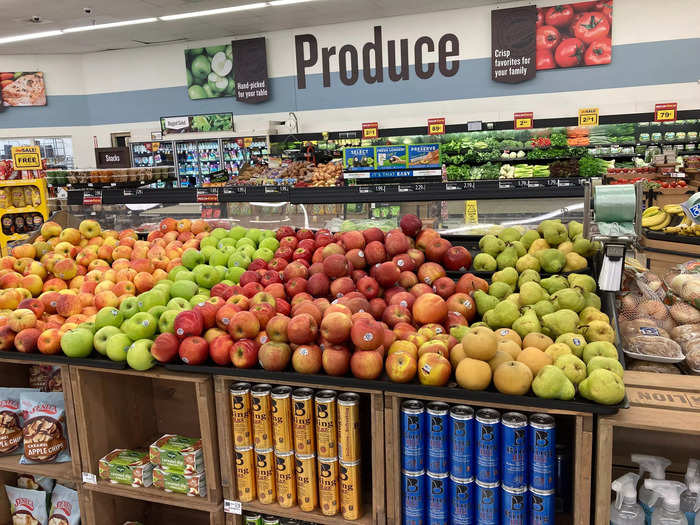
[(663, 419), (131, 409), (373, 451), (59, 471), (112, 509), (577, 425), (663, 255)]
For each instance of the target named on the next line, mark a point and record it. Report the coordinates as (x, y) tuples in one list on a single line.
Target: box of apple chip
[(192, 485), (178, 454), (128, 467)]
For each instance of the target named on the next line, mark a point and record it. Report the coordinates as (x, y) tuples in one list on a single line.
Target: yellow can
[(326, 424), (262, 424), (350, 490), (286, 480), (328, 486), (265, 476), (303, 421), (307, 496), (240, 415), (349, 427), (244, 461), (282, 418)]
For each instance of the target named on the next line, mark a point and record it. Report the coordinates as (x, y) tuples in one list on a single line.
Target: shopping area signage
[(26, 157), (197, 123)]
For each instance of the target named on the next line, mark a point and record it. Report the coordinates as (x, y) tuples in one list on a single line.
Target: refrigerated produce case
[(196, 159), (148, 154), (239, 151)]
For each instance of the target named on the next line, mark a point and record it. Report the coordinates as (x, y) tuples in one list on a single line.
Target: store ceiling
[(17, 20)]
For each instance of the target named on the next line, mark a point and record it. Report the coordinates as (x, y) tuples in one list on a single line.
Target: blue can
[(462, 442), (438, 437), (488, 430), (513, 505), (412, 436), (461, 501), (541, 507), (487, 503), (413, 493), (542, 444), (514, 450), (438, 493)]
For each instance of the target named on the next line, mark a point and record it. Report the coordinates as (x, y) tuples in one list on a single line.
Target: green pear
[(484, 262), (555, 234), (574, 341), (573, 367), (575, 228), (602, 386), (551, 383), (537, 246), (528, 276), (526, 324), (554, 283), (596, 246), (556, 350), (508, 257), (459, 331), (519, 248), (500, 289), (507, 275), (544, 307), (547, 223), (527, 262), (529, 237), (561, 322), (566, 247), (569, 299), (551, 260), (591, 299), (491, 245), (531, 293), (509, 234), (477, 325), (485, 239), (607, 363), (574, 262), (590, 313), (502, 316), (598, 331), (599, 348), (581, 246), (583, 281), (484, 302), (515, 299)]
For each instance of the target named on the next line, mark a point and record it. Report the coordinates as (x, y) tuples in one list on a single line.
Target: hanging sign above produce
[(436, 126), (513, 44), (523, 120), (370, 130), (197, 123), (209, 72), (588, 117), (666, 112), (250, 70)]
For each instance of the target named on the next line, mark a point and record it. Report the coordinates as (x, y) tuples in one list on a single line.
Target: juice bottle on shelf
[(626, 510), (656, 467), (690, 502), (668, 511)]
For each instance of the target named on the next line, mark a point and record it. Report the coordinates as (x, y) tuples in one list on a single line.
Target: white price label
[(232, 507), (89, 477)]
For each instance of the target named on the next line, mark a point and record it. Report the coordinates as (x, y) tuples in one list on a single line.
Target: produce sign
[(197, 123), (210, 72), (424, 156), (523, 120), (358, 158), (665, 112), (250, 70), (436, 126), (391, 157), (588, 117), (370, 130), (23, 89), (513, 44)]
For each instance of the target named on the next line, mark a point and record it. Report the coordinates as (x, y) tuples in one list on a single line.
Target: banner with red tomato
[(574, 35)]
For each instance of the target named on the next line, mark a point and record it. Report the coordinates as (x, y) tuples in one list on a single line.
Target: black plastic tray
[(58, 359), (669, 237), (97, 360)]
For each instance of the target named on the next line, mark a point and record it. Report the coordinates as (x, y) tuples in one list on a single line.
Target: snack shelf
[(152, 494), (61, 471)]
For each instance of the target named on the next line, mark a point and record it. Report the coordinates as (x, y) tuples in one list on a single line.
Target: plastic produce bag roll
[(615, 208)]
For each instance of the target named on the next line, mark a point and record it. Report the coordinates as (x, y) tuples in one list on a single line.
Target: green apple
[(270, 243), (228, 250), (254, 234), (166, 322), (247, 250), (220, 272), (178, 303), (237, 232), (101, 337), (157, 311), (198, 299), (88, 326), (139, 355), (234, 274), (108, 316), (152, 298), (77, 342), (185, 276), (226, 241), (264, 253), (184, 289), (206, 251), (208, 241), (268, 234), (238, 260), (191, 258), (164, 285), (172, 274), (227, 282), (204, 291), (246, 241), (205, 275), (141, 326), (218, 233), (117, 345), (129, 307), (218, 258)]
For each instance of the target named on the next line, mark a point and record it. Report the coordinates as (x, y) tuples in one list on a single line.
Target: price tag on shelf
[(419, 187), (436, 126), (370, 130), (363, 189), (506, 184), (471, 212), (404, 189), (379, 188), (89, 477), (232, 507), (523, 120), (208, 195), (666, 112), (588, 117), (92, 197)]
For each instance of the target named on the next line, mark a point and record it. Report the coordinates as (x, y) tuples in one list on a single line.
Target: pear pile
[(544, 333)]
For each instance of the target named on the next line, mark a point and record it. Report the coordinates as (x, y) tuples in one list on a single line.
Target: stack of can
[(257, 519), (465, 468), (277, 432)]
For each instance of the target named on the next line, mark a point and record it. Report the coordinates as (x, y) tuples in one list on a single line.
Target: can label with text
[(240, 415), (348, 427), (328, 490), (282, 418), (244, 461), (350, 490), (513, 505), (285, 479), (303, 421), (262, 416), (461, 432), (413, 435), (461, 501), (488, 433), (541, 507), (307, 495), (487, 503), (265, 476), (438, 498), (270, 520), (413, 495), (514, 451), (253, 519), (542, 445), (438, 437), (326, 424)]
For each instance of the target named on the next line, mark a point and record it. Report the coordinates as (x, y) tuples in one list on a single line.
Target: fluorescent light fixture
[(219, 11), (30, 36), (275, 3), (110, 25)]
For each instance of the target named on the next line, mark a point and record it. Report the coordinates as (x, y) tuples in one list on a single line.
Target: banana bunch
[(655, 218), (679, 224)]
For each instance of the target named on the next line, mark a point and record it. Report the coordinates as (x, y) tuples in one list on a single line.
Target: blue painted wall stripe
[(651, 63)]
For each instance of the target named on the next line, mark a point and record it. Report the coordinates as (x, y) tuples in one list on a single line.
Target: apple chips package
[(28, 507), (65, 509), (44, 430), (11, 420)]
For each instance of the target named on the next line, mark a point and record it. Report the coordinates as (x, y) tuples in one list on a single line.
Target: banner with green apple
[(209, 72)]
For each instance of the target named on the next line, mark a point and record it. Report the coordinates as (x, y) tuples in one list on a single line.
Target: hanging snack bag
[(28, 507), (65, 509), (45, 433), (35, 482), (11, 420)]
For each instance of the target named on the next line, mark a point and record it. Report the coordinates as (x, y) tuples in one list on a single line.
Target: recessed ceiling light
[(30, 36), (209, 12), (110, 25)]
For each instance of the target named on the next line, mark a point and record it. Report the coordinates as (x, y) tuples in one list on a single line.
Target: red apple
[(388, 274), (367, 334), (375, 253), (284, 253), (283, 307), (373, 234), (353, 240), (26, 340), (336, 360), (302, 329), (274, 356), (290, 242), (256, 265), (295, 269), (208, 312), (249, 276), (405, 299), (295, 286), (250, 289), (395, 314), (410, 224), (318, 285), (417, 256), (396, 242), (404, 262), (444, 287), (367, 364), (457, 258), (35, 305), (284, 231), (278, 264), (463, 303), (469, 283), (356, 257), (335, 327), (264, 312), (335, 266), (429, 308), (342, 286), (188, 323), (377, 307), (193, 350), (277, 328), (220, 349), (165, 347), (355, 304), (243, 325), (368, 287), (307, 359)]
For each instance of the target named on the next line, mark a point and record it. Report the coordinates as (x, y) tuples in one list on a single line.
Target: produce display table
[(664, 251)]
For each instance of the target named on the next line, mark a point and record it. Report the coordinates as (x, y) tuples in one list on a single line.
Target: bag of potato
[(684, 282)]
